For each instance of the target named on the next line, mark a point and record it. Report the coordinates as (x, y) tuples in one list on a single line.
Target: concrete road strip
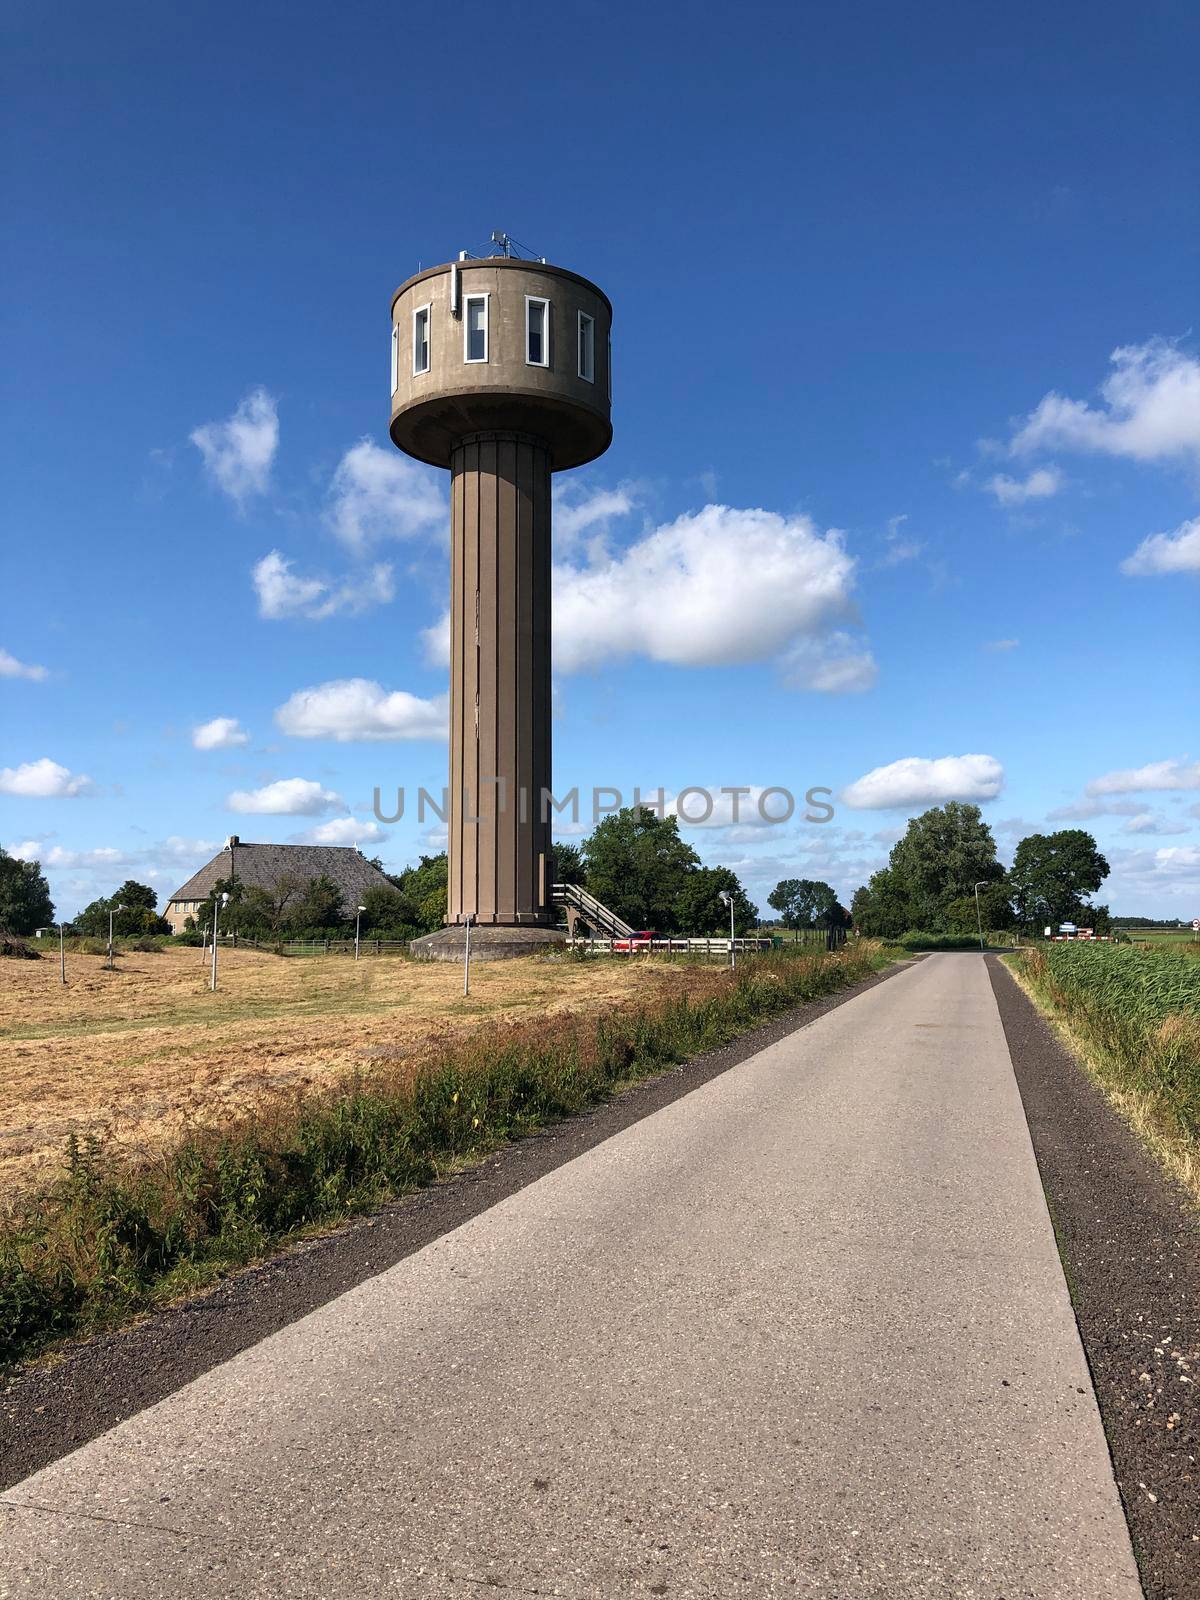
[(803, 1332)]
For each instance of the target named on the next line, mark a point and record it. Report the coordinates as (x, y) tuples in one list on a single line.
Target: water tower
[(500, 371)]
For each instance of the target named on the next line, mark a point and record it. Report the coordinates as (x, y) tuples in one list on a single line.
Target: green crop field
[(1134, 1010), (1176, 937)]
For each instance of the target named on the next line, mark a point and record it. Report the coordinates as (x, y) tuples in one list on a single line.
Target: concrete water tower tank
[(500, 372)]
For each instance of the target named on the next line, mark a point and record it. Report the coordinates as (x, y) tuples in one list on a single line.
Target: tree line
[(929, 882), (638, 865)]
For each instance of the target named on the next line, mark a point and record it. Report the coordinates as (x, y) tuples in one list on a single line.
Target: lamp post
[(218, 902), (358, 929), (978, 913), (728, 900), (467, 956), (112, 911), (62, 955)]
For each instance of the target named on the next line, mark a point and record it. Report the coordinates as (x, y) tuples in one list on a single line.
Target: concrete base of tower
[(488, 943)]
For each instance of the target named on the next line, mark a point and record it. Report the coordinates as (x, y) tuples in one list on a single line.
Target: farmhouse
[(263, 865)]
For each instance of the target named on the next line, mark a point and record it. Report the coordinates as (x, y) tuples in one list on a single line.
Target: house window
[(537, 332), (587, 347), (420, 340), (395, 357), (475, 328)]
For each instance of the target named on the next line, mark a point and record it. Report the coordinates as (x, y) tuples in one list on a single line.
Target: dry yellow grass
[(137, 1054)]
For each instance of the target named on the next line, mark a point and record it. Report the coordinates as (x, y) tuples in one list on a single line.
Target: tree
[(566, 864), (806, 903), (699, 908), (387, 910), (995, 910), (319, 906), (139, 914), (880, 908), (25, 903), (636, 865), (943, 853), (424, 887), (1052, 873)]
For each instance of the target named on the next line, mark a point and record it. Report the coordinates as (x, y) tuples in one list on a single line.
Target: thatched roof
[(264, 864)]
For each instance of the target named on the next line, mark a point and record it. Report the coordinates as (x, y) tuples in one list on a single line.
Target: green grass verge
[(1133, 1015), (112, 1239)]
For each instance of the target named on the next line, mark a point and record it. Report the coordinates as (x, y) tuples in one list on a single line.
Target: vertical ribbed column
[(499, 679)]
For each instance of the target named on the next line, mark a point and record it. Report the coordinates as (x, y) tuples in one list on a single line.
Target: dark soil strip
[(50, 1408), (1130, 1242)]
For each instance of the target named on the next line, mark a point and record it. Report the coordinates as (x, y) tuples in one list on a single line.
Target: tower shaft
[(499, 869)]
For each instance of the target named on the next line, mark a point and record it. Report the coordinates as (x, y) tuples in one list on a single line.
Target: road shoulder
[(1130, 1242)]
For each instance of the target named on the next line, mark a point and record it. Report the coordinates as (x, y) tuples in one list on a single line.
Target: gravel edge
[(1129, 1238), (55, 1405)]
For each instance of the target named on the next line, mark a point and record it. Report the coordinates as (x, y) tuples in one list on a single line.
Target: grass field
[(138, 1055)]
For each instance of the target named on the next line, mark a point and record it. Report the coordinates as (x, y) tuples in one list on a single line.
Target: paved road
[(803, 1332)]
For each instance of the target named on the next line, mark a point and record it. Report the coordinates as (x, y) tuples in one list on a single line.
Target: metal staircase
[(584, 906)]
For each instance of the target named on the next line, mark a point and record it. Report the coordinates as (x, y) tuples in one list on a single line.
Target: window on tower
[(537, 331), (587, 347), (395, 357), (475, 327), (421, 339)]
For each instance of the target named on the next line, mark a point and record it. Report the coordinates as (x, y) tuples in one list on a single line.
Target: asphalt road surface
[(802, 1332)]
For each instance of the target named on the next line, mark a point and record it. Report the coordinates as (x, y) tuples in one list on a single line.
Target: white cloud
[(900, 551), (715, 587), (1154, 822), (56, 857), (833, 665), (1086, 810), (1151, 409), (239, 452), (284, 593), (341, 831), (356, 708), (222, 733), (917, 781), (436, 641), (574, 517), (1039, 485), (1182, 774), (288, 797), (380, 494), (1166, 552), (10, 667), (1000, 645), (43, 780)]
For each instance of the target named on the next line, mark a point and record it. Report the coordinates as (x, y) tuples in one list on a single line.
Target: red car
[(637, 941)]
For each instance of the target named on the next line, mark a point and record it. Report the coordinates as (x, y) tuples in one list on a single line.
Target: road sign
[(1196, 924), (1066, 927)]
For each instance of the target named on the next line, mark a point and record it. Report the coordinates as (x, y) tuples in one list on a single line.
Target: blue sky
[(907, 419)]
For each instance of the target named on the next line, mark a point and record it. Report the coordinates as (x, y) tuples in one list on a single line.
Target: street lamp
[(218, 902), (62, 954), (112, 911), (978, 913), (357, 928), (467, 955), (727, 898)]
